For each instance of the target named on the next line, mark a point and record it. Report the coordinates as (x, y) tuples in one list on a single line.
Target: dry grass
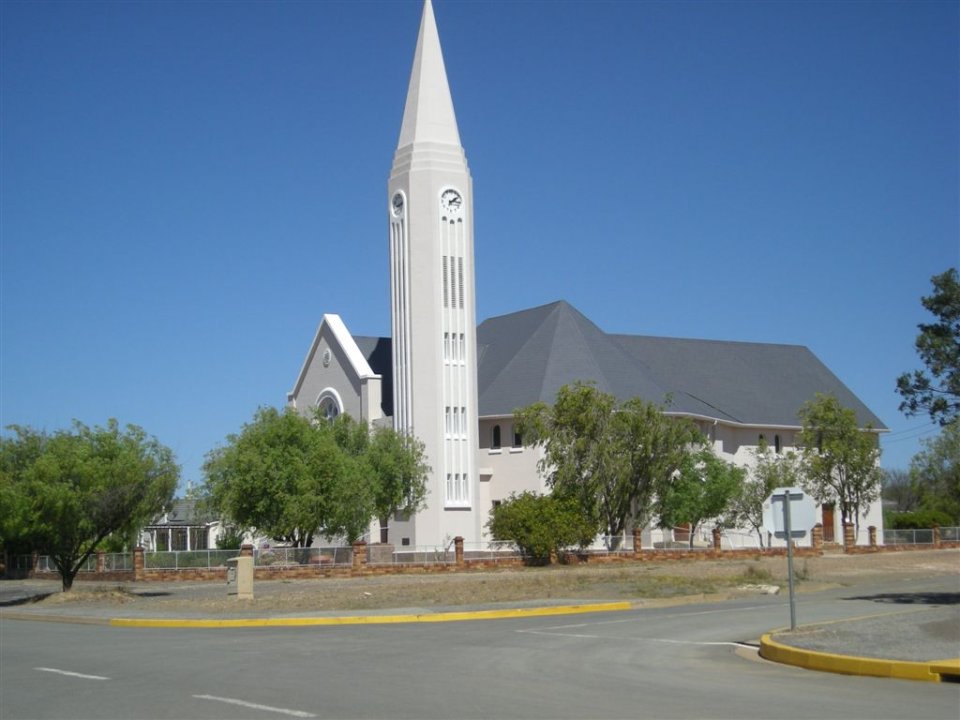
[(634, 582)]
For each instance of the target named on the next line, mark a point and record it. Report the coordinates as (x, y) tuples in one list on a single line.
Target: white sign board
[(803, 512)]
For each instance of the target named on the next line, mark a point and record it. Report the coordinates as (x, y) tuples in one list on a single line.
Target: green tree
[(17, 455), (770, 470), (937, 391), (609, 457), (840, 461), (540, 525), (398, 463), (935, 472), (73, 489), (287, 477), (900, 489), (393, 467), (702, 489)]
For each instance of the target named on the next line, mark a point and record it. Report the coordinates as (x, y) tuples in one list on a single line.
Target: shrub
[(231, 538), (540, 525), (919, 520)]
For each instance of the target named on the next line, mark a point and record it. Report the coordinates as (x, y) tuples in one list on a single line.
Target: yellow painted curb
[(770, 649), (371, 619)]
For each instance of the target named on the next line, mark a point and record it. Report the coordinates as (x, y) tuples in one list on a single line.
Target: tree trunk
[(67, 576)]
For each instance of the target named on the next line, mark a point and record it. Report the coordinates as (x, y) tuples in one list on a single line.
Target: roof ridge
[(530, 338), (577, 319)]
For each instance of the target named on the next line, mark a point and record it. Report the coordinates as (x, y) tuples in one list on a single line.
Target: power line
[(922, 433)]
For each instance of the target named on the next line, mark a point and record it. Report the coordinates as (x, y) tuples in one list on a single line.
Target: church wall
[(337, 375), (504, 470)]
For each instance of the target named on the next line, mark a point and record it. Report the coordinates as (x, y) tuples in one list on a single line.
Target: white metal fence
[(294, 557), (493, 551), (184, 559), (920, 537)]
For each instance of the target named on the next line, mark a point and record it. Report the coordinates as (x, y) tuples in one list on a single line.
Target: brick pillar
[(359, 554), (936, 536), (458, 550), (246, 550), (816, 537), (637, 541), (872, 531), (139, 564), (849, 535), (101, 562), (716, 538)]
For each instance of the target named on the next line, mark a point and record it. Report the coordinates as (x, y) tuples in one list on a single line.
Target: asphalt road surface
[(679, 662)]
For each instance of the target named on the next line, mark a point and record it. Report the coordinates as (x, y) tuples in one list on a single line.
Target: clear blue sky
[(188, 186)]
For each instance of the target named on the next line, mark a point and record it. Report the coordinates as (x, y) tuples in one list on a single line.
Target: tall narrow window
[(463, 348), (517, 438), (495, 439), (446, 346), (460, 278), (448, 419), (776, 443)]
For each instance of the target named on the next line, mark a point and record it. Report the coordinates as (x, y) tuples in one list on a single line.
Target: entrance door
[(827, 511)]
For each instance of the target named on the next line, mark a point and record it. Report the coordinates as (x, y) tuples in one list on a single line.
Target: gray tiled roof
[(527, 356), (183, 512), (377, 351)]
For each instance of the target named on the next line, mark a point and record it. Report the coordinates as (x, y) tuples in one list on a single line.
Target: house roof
[(527, 356), (183, 512)]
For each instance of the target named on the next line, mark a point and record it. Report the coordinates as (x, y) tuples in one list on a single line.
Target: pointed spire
[(428, 115)]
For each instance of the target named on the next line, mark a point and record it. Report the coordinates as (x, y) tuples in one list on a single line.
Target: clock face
[(451, 201), (397, 204)]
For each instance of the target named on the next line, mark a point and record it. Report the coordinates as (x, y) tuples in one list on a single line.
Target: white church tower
[(433, 306)]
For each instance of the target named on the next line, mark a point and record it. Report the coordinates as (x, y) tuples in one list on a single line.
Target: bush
[(540, 525), (919, 520), (231, 538)]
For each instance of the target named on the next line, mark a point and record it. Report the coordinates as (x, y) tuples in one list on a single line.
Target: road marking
[(374, 619), (641, 639), (635, 619), (255, 706), (556, 634), (72, 674), (701, 642)]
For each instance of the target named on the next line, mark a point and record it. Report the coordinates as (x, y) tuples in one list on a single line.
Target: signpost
[(784, 510)]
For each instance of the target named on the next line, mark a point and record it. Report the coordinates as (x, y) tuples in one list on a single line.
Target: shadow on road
[(907, 598), (24, 599)]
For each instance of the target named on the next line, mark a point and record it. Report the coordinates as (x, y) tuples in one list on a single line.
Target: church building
[(455, 385)]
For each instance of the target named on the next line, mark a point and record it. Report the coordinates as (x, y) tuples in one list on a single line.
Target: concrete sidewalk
[(920, 642)]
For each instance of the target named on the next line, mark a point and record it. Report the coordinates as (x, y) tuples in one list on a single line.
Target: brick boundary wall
[(364, 569)]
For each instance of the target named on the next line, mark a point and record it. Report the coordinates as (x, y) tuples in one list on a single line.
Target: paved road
[(680, 662)]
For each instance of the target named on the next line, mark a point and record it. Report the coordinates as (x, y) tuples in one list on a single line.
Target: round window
[(329, 408)]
